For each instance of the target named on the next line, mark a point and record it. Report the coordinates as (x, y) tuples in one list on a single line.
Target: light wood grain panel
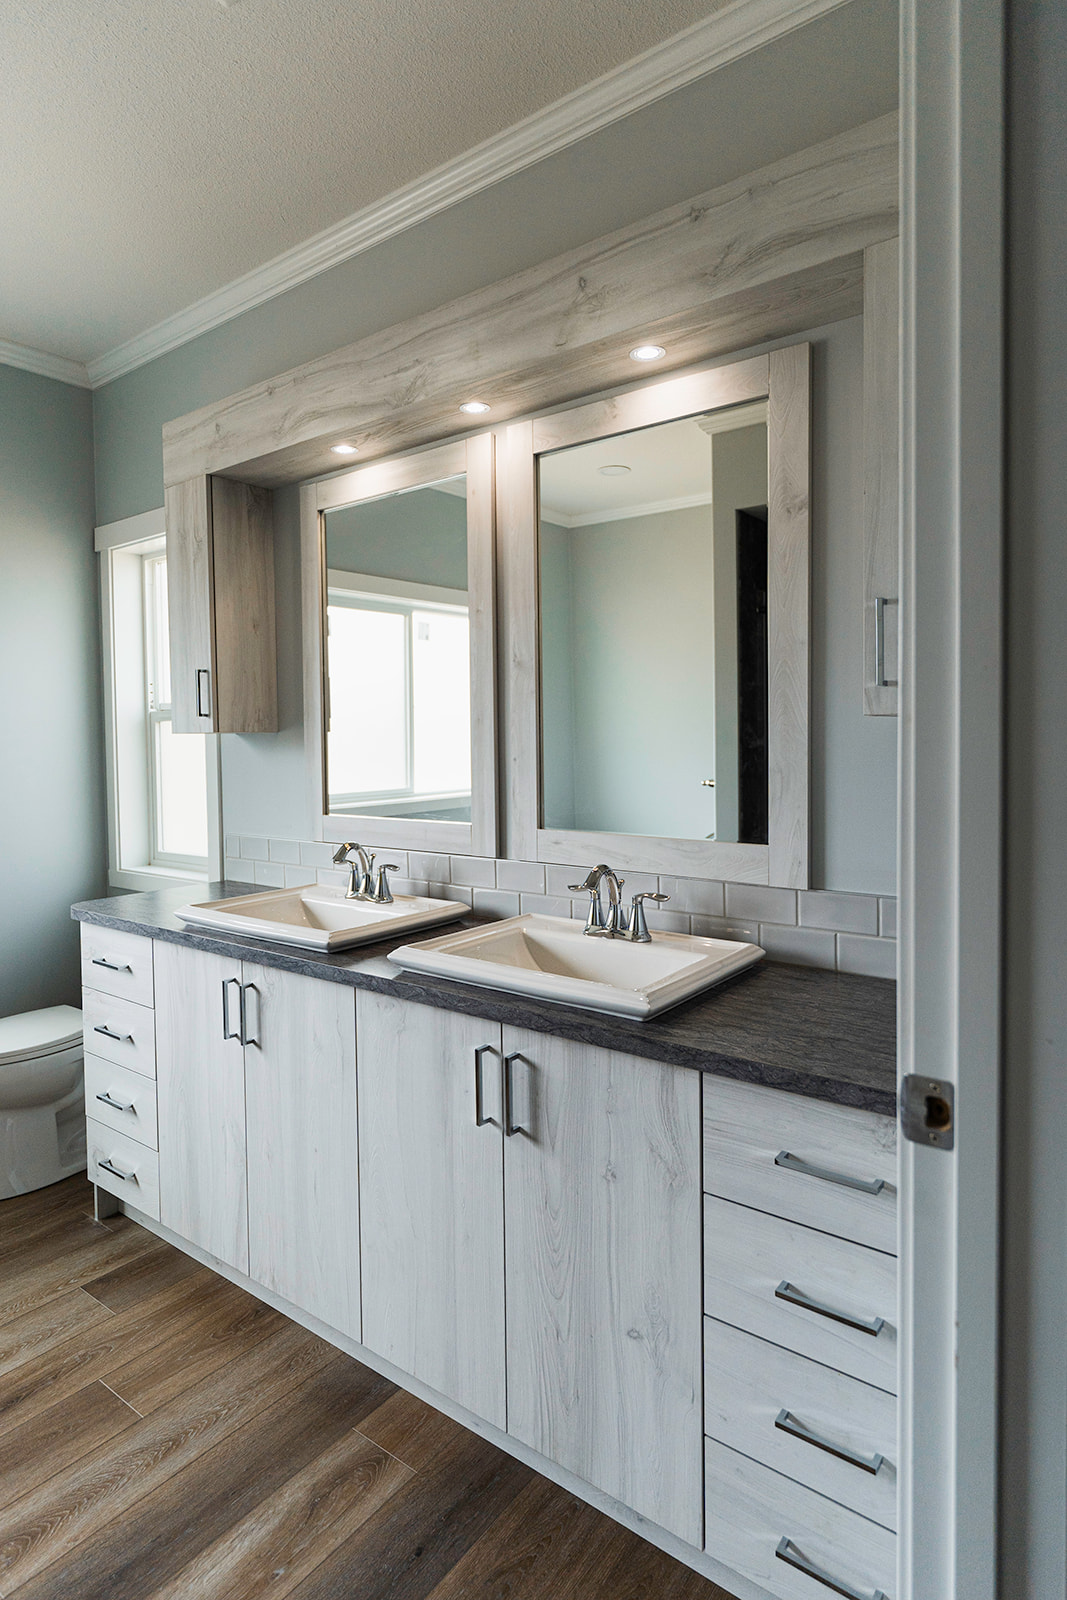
[(520, 678), (300, 1095), (746, 1127), (602, 1210), (121, 1099), (750, 1509), (123, 1166), (789, 615), (481, 592), (881, 462), (191, 605), (431, 1200), (685, 858), (816, 207), (242, 542), (201, 1099), (747, 1255), (104, 1016), (117, 963), (654, 402), (410, 471), (748, 1383)]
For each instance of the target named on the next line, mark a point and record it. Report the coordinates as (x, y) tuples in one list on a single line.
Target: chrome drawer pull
[(112, 966), (793, 1163), (788, 1552), (118, 1105), (109, 1033), (107, 1165), (793, 1425), (795, 1297)]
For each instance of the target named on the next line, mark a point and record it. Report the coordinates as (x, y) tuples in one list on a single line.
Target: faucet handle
[(637, 929), (382, 892)]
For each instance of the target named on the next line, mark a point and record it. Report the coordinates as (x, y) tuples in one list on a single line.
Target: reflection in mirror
[(398, 725), (653, 582)]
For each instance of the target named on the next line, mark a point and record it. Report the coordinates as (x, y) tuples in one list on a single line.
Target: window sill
[(134, 878)]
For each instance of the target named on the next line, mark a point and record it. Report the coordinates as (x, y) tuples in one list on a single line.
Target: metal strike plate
[(928, 1111)]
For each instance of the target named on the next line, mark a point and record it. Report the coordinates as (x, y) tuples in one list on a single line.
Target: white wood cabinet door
[(602, 1233), (300, 1094), (431, 1197), (201, 1103)]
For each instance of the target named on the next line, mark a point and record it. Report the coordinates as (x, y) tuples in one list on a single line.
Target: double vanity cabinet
[(678, 1288)]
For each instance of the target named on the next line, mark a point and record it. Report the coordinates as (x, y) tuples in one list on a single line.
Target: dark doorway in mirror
[(752, 656)]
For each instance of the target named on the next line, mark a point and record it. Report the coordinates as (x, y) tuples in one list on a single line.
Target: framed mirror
[(399, 690), (669, 644)]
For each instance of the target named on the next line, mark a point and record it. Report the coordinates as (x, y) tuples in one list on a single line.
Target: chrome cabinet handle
[(227, 1031), (246, 1036), (788, 1552), (786, 1421), (795, 1297), (203, 692), (880, 679), (480, 1117), (109, 1033), (793, 1163), (107, 1165), (510, 1125), (119, 1105), (112, 966)]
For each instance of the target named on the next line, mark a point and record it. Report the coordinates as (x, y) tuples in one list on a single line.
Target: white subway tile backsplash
[(845, 913), (874, 958), (887, 917), (725, 928), (316, 854), (411, 886), (331, 876), (496, 902), (434, 868), (549, 905), (802, 947), (754, 903), (666, 921), (701, 895), (451, 891), (270, 874), (558, 879), (286, 851), (255, 849), (478, 871), (527, 877), (298, 877), (239, 871), (233, 846)]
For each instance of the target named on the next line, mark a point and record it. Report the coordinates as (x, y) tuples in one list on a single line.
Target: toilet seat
[(39, 1033)]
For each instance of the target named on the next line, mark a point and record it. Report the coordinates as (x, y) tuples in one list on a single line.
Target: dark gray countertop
[(829, 1035)]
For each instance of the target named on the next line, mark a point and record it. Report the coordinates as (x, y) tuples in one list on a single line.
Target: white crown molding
[(739, 28), (45, 365)]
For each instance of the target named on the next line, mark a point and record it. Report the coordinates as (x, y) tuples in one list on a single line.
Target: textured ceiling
[(155, 151)]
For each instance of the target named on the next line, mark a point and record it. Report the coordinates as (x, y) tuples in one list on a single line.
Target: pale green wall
[(52, 791), (421, 536)]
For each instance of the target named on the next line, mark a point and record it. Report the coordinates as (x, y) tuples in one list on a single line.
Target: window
[(177, 770)]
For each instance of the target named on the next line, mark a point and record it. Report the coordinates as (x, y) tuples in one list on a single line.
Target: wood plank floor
[(164, 1436)]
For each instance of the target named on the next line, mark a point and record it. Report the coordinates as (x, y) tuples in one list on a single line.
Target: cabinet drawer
[(831, 1167), (119, 1031), (122, 1100), (751, 1513), (117, 963), (749, 1384), (751, 1260), (132, 1172)]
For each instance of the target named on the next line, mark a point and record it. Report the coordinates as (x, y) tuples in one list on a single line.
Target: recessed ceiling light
[(344, 449), (474, 408), (647, 352), (613, 470)]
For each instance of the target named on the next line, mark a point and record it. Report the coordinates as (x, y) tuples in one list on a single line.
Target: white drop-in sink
[(553, 958), (318, 917)]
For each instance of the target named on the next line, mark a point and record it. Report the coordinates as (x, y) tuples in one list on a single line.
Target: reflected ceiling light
[(474, 408), (647, 352), (613, 470), (344, 449)]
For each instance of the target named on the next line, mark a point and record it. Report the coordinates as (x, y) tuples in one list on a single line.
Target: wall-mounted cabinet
[(220, 579)]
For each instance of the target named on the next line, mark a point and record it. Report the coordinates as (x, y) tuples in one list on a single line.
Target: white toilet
[(42, 1099)]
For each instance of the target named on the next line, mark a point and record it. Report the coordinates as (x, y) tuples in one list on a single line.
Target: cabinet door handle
[(788, 1552), (786, 1421), (510, 1125), (227, 1031), (112, 966), (795, 1297), (248, 1037), (203, 692), (880, 679), (109, 1033), (480, 1118), (119, 1105), (793, 1163), (107, 1165)]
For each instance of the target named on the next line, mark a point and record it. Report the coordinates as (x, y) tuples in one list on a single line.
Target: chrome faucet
[(359, 888), (611, 927)]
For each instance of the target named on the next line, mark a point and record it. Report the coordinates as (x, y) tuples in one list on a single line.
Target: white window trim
[(108, 538)]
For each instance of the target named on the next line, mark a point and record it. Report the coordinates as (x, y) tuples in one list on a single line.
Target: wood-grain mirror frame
[(784, 379), (473, 457)]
